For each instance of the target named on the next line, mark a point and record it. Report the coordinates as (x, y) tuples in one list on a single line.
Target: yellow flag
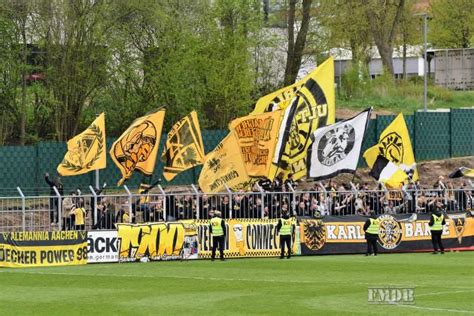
[(224, 167), (315, 106), (256, 137), (137, 147), (183, 148), (86, 151), (395, 145)]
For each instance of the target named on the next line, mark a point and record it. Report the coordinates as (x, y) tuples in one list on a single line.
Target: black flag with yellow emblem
[(184, 148), (85, 151)]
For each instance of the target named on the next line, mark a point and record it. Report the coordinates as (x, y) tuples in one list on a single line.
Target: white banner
[(102, 246), (336, 148)]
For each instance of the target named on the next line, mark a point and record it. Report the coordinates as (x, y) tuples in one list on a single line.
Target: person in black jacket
[(218, 232), (53, 200), (437, 222), (371, 229), (285, 228)]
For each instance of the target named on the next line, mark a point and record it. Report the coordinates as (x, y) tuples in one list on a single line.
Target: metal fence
[(42, 213)]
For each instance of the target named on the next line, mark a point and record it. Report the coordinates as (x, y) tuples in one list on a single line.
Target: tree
[(9, 75), (72, 37), (452, 24), (296, 46), (384, 17), (409, 32), (348, 28), (19, 15)]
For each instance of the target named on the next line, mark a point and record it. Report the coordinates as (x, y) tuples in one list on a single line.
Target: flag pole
[(97, 176)]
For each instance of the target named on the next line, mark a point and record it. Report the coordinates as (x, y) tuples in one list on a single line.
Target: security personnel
[(371, 229), (218, 231), (436, 224), (285, 228)]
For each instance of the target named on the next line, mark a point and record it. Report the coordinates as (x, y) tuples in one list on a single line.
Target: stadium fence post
[(95, 204), (230, 201), (293, 198), (130, 199), (164, 200), (58, 195), (262, 196), (23, 202), (197, 200)]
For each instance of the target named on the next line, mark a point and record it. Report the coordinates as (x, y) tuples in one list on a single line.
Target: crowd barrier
[(190, 239), (49, 213)]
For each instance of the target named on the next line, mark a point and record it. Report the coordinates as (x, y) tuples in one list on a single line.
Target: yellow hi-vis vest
[(437, 222), (374, 227), (217, 230), (285, 227)]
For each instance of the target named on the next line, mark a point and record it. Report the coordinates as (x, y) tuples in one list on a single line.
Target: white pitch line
[(437, 309), (180, 277), (446, 292), (216, 279)]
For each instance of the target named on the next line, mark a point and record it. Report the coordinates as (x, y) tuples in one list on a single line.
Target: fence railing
[(92, 211)]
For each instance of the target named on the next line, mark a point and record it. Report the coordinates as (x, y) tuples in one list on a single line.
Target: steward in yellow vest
[(436, 224), (371, 229), (218, 231), (285, 228)]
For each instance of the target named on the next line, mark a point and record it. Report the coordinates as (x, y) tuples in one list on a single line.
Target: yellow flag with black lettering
[(394, 145), (256, 137), (85, 151), (223, 167), (137, 147), (309, 104), (183, 148)]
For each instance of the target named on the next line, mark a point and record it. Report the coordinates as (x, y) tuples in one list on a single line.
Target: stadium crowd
[(269, 199)]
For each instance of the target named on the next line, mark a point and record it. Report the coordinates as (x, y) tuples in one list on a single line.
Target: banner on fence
[(245, 238), (157, 241), (334, 235), (38, 249), (102, 246)]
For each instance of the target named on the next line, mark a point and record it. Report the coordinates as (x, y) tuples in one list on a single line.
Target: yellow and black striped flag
[(308, 104), (184, 148)]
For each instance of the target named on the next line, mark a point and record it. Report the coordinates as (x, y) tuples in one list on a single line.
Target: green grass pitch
[(338, 285)]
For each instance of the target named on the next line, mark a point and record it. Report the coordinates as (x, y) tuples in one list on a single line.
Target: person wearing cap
[(285, 229), (436, 224), (371, 229), (218, 231)]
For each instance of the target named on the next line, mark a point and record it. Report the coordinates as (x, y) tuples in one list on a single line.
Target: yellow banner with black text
[(39, 249)]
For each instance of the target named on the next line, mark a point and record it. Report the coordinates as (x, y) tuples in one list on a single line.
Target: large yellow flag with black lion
[(85, 151), (137, 147), (183, 148)]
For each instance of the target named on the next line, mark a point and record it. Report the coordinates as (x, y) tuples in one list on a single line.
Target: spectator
[(54, 200), (68, 206), (290, 183), (80, 217)]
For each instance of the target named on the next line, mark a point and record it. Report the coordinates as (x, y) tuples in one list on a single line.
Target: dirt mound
[(429, 171), (347, 113)]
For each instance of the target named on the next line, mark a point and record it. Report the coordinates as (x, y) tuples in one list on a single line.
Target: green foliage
[(127, 57), (452, 24), (355, 82), (407, 97)]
